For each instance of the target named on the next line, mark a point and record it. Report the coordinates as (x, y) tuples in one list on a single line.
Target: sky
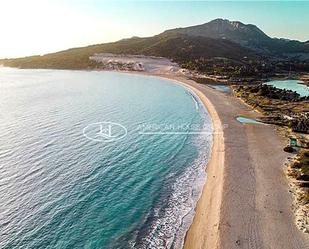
[(42, 26)]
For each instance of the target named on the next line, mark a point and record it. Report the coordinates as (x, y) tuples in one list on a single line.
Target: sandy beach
[(245, 202)]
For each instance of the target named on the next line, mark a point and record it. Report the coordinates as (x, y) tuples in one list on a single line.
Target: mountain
[(177, 47), (247, 35), (224, 29), (233, 41)]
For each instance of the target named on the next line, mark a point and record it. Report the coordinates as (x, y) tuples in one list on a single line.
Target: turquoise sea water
[(294, 85), (221, 88), (248, 120), (60, 189)]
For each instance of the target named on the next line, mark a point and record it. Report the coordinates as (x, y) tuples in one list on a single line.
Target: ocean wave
[(170, 223)]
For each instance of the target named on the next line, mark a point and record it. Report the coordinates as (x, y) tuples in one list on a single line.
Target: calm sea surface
[(294, 85), (59, 188)]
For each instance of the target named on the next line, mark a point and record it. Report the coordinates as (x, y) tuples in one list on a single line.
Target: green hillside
[(180, 48)]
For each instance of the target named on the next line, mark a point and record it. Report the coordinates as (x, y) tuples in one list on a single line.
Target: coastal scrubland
[(281, 107), (298, 172)]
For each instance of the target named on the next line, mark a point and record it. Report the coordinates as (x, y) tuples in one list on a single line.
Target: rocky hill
[(213, 48), (247, 35), (224, 29), (178, 47)]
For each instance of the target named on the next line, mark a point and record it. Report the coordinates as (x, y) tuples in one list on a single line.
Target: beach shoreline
[(207, 214), (206, 217), (245, 201)]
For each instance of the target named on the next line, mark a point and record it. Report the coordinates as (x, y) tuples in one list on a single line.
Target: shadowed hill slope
[(177, 47), (203, 48), (247, 35)]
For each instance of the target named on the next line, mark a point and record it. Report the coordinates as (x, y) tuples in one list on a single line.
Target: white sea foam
[(171, 224)]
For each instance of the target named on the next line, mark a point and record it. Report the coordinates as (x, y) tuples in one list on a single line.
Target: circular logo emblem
[(105, 131)]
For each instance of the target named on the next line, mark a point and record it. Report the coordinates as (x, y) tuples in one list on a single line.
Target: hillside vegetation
[(221, 48), (178, 47)]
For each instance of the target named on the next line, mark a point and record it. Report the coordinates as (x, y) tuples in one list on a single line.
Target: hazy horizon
[(40, 27)]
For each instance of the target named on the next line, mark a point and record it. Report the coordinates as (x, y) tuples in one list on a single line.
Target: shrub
[(288, 149), (305, 197)]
